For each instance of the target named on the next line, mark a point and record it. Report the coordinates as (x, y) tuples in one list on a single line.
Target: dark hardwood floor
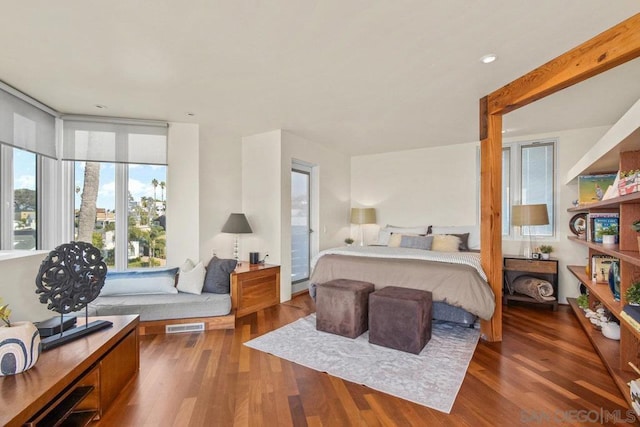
[(544, 372)]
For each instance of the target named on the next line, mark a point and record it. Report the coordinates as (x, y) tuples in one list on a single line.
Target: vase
[(608, 239), (614, 279), (544, 256), (19, 347)]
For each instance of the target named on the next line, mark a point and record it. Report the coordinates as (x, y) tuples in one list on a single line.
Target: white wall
[(183, 193), (18, 287), (418, 187), (266, 195), (220, 191), (440, 186)]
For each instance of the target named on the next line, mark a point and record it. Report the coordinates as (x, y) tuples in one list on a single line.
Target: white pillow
[(143, 281), (191, 278), (445, 243), (385, 233), (473, 230)]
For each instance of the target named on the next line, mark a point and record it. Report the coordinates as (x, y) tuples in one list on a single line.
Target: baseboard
[(155, 327), (302, 292)]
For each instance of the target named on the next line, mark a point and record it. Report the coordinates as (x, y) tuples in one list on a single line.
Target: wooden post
[(491, 213)]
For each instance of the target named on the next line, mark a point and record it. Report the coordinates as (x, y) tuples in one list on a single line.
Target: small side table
[(546, 269), (254, 287)]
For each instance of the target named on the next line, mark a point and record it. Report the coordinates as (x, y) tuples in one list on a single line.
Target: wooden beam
[(609, 49), (491, 213)]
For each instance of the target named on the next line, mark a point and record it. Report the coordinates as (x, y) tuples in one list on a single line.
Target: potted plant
[(348, 241), (23, 335), (545, 250), (633, 294), (608, 234)]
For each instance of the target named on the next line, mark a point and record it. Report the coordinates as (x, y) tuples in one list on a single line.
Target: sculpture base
[(73, 334)]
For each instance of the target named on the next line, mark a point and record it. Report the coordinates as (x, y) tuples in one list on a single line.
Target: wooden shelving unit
[(608, 350), (615, 355)]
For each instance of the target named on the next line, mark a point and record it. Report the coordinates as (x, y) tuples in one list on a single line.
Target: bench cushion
[(162, 307)]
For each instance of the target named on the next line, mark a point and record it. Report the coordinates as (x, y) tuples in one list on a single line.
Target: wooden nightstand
[(515, 267), (254, 287)]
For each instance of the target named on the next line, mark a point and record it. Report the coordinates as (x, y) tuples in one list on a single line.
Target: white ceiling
[(363, 76)]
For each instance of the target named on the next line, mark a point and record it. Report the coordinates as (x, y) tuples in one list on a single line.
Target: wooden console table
[(76, 382)]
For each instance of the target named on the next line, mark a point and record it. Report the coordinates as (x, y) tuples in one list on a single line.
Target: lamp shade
[(529, 215), (363, 216), (236, 224)]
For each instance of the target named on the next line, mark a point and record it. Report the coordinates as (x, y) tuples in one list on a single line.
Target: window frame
[(514, 190)]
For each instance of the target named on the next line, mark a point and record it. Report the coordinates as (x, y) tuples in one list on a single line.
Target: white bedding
[(471, 259)]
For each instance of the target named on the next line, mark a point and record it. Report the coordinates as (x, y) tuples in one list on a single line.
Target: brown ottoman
[(342, 307), (400, 318)]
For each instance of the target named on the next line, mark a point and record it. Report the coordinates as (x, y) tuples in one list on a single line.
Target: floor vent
[(185, 327)]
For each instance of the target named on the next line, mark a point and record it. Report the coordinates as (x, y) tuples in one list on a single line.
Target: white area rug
[(431, 378)]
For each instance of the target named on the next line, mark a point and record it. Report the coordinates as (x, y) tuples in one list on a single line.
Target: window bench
[(159, 310)]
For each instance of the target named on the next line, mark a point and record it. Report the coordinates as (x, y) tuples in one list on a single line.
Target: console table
[(76, 382)]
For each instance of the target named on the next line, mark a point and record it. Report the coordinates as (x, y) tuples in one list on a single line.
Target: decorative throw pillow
[(464, 239), (137, 282), (445, 243), (217, 280), (473, 230), (385, 233), (416, 242), (191, 278)]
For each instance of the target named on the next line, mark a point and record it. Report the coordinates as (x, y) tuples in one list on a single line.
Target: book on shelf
[(600, 265), (630, 320), (633, 311), (599, 222)]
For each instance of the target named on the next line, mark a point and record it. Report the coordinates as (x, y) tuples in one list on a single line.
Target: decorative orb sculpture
[(70, 277)]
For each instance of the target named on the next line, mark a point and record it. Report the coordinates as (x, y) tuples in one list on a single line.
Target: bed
[(456, 280)]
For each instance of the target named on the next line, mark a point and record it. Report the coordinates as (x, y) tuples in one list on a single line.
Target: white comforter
[(471, 259)]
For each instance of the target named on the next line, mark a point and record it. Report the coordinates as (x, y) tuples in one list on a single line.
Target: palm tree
[(87, 214), (162, 185), (155, 185)]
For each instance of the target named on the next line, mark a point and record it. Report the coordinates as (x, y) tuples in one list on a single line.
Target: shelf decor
[(19, 347)]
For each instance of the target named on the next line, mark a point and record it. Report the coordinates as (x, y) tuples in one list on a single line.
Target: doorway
[(300, 223)]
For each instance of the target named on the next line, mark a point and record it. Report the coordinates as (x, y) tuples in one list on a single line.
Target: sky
[(140, 178)]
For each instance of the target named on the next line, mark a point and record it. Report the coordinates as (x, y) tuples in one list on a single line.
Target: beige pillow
[(394, 240), (445, 243)]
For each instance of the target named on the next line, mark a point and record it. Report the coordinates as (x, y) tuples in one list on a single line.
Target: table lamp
[(236, 224), (363, 216), (528, 216)]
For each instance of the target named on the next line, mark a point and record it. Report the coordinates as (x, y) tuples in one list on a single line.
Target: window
[(24, 200), (120, 182), (528, 177)]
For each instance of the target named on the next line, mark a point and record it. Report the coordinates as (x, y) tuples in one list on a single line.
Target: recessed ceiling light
[(488, 58), (191, 114), (101, 107)]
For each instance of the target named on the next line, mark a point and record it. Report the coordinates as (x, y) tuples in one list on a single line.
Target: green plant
[(636, 226), (545, 249), (583, 301), (348, 240), (611, 230), (633, 293), (5, 313)]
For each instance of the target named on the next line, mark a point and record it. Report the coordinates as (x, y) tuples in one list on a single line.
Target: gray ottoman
[(342, 307), (400, 318)]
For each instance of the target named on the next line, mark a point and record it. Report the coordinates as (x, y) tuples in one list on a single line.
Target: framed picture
[(593, 187)]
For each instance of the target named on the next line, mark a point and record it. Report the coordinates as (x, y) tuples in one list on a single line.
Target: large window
[(120, 184), (24, 200), (528, 171)]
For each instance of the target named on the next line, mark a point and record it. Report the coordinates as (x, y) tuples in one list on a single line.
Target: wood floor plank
[(545, 367)]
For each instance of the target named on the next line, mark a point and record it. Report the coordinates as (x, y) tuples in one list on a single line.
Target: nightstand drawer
[(533, 266)]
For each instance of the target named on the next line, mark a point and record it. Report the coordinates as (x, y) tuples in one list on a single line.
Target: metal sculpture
[(70, 277)]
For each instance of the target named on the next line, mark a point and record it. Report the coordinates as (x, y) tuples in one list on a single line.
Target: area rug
[(431, 378)]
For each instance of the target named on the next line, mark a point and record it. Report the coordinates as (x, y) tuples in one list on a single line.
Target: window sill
[(7, 255)]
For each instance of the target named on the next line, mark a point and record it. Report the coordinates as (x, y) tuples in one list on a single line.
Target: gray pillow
[(416, 242), (217, 280)]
